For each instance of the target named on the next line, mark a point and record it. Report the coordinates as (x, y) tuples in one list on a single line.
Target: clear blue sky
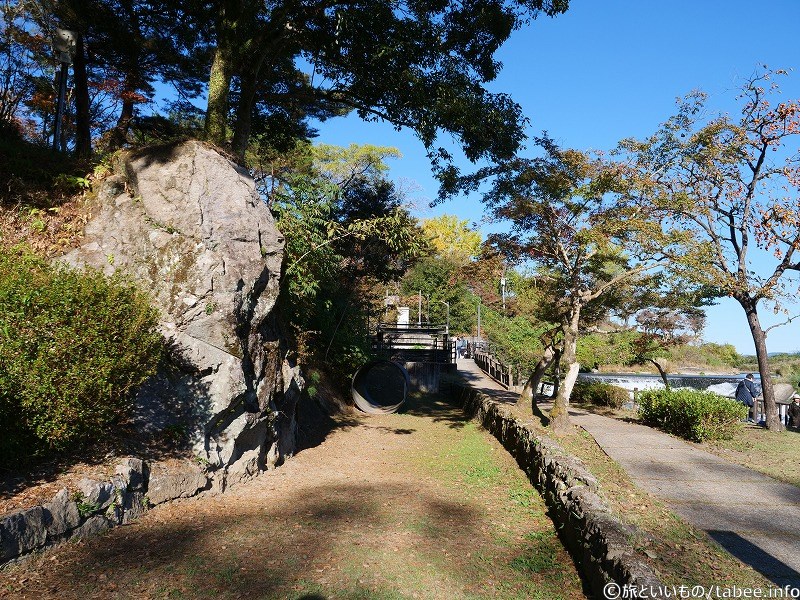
[(609, 69)]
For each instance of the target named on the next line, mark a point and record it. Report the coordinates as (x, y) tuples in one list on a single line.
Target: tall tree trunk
[(83, 125), (559, 415), (532, 385), (219, 82), (557, 371), (119, 135), (760, 340), (244, 111)]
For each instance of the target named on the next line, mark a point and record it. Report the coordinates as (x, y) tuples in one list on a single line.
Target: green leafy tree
[(569, 217), (732, 183), (346, 231), (444, 293), (420, 66), (661, 329)]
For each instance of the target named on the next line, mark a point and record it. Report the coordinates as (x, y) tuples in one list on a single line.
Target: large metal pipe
[(380, 387)]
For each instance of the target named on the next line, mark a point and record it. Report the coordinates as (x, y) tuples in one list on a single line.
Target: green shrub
[(690, 414), (74, 346), (602, 394)]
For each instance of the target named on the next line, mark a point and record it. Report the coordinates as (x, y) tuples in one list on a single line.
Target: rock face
[(188, 225)]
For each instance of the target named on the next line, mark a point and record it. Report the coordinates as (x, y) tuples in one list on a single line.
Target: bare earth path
[(414, 505)]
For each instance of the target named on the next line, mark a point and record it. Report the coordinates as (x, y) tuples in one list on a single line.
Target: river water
[(724, 385)]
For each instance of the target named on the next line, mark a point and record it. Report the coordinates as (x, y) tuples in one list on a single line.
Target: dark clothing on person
[(746, 392), (794, 415)]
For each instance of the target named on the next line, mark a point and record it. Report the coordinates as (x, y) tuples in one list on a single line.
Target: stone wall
[(598, 541), (98, 506)]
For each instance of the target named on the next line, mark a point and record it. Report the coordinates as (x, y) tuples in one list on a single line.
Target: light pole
[(503, 289), (64, 47), (447, 321)]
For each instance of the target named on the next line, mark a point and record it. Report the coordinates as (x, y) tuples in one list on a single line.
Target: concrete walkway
[(754, 517)]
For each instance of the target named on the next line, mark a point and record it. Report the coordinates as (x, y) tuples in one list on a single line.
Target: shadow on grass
[(315, 424), (436, 407), (279, 548)]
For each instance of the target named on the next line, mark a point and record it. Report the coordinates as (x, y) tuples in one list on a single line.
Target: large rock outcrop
[(188, 225)]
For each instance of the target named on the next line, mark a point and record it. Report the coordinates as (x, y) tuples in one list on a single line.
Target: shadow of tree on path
[(293, 546)]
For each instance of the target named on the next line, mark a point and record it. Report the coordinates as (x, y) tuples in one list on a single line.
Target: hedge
[(692, 414), (602, 394), (74, 346)]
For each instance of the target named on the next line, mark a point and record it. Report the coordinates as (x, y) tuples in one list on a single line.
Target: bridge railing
[(503, 374)]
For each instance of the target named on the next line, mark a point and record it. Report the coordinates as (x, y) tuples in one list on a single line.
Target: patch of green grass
[(773, 453), (467, 460), (424, 526), (525, 496), (539, 554)]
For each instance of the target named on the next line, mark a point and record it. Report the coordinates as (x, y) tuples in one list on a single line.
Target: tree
[(452, 237), (16, 65), (733, 185), (418, 65), (444, 290), (571, 217), (515, 335), (661, 329), (346, 231), (122, 47)]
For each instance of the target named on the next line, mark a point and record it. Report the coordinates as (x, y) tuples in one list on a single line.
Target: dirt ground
[(416, 505)]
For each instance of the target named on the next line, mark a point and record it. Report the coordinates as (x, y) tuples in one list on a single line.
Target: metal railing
[(415, 344)]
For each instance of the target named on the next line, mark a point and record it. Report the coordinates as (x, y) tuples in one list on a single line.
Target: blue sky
[(607, 70)]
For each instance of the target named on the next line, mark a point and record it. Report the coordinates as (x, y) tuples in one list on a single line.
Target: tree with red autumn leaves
[(733, 184)]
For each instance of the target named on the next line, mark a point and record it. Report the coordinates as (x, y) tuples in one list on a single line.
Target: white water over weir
[(724, 385)]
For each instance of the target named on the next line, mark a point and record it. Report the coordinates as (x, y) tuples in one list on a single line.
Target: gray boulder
[(181, 482), (134, 472), (61, 515), (188, 225), (21, 532), (96, 493)]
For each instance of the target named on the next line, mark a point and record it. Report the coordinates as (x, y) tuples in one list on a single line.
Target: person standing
[(794, 412), (746, 394), (462, 344)]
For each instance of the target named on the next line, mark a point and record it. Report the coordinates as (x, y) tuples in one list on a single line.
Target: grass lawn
[(422, 504)]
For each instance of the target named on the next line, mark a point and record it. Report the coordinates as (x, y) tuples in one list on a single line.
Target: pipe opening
[(380, 387)]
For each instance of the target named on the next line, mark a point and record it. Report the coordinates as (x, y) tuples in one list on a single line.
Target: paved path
[(754, 517)]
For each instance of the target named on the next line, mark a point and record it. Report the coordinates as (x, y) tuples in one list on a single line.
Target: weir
[(425, 351), (724, 385)]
